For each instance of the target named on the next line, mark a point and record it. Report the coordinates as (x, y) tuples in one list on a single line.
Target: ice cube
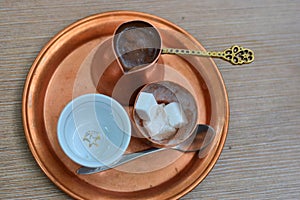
[(175, 115), (158, 126), (144, 104)]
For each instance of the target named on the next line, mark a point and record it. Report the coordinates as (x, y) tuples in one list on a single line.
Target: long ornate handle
[(236, 55)]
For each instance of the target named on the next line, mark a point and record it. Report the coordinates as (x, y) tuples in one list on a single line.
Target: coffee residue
[(137, 46)]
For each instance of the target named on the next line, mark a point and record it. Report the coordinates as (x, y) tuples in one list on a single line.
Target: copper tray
[(56, 77)]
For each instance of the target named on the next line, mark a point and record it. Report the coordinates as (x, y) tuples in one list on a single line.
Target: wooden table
[(261, 157)]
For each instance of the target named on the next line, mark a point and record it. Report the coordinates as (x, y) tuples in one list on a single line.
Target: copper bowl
[(166, 92)]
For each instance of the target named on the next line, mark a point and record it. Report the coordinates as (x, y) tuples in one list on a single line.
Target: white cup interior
[(94, 130)]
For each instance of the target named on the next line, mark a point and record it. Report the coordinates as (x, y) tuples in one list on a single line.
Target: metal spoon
[(199, 141)]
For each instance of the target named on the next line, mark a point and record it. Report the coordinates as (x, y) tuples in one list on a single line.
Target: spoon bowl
[(198, 141)]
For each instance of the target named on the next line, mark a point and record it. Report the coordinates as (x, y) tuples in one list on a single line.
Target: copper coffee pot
[(115, 70)]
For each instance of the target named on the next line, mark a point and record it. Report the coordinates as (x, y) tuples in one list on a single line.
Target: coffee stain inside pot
[(137, 44)]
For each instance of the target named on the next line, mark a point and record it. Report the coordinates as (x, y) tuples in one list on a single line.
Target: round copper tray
[(55, 78)]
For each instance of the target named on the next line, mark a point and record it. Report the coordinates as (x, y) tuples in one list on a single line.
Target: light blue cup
[(94, 130)]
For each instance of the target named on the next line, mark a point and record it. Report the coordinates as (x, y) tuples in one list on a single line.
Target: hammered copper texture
[(61, 72)]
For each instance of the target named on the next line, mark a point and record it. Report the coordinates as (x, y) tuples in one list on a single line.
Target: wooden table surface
[(261, 157)]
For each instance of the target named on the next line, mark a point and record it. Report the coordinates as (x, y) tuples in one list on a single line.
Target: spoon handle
[(132, 156), (236, 55), (124, 159)]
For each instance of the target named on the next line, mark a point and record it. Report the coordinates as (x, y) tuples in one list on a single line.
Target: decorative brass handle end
[(238, 55)]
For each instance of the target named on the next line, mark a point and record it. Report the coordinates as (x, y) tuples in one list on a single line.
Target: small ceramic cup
[(166, 92), (94, 130)]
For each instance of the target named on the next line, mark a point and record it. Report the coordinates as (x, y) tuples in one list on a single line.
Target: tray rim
[(61, 33)]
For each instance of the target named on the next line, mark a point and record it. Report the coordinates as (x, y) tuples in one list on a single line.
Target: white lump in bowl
[(161, 121)]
